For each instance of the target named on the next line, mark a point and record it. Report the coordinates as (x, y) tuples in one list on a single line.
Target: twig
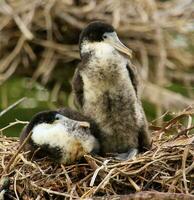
[(137, 188), (13, 124), (104, 181), (185, 154), (15, 185), (17, 152), (97, 171), (18, 21), (12, 106), (52, 192)]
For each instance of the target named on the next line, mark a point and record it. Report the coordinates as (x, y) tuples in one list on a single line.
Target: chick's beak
[(84, 124), (113, 39)]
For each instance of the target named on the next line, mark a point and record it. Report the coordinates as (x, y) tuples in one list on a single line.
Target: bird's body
[(106, 87), (60, 135)]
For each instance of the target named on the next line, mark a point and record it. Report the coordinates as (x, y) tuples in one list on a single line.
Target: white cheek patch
[(52, 134), (58, 135), (100, 49)]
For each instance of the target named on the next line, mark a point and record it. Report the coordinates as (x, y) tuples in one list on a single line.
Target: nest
[(167, 167), (39, 39)]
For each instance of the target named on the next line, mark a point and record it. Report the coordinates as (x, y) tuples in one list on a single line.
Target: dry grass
[(167, 167), (39, 39)]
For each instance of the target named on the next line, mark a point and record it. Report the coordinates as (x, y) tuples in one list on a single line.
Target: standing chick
[(105, 85)]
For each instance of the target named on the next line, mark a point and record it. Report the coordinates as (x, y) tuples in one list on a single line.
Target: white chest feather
[(106, 71), (107, 74)]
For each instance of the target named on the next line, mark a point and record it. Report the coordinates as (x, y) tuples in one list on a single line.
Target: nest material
[(39, 39), (167, 167)]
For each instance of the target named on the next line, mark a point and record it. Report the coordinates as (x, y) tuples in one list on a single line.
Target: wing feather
[(77, 86), (132, 71)]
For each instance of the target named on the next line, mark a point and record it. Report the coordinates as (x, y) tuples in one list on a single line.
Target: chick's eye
[(104, 36), (57, 118)]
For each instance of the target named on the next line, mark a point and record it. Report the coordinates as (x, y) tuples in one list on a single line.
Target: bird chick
[(64, 136), (106, 88)]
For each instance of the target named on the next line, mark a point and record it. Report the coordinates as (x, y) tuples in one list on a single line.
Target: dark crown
[(94, 31), (42, 117)]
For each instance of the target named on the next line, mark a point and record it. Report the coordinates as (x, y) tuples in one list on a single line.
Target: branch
[(12, 106), (165, 98)]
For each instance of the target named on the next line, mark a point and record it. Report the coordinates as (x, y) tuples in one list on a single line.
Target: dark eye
[(57, 118), (104, 36)]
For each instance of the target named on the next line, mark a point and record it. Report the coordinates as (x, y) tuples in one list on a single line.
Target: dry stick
[(52, 192), (179, 173), (150, 181), (12, 55), (22, 26), (15, 185), (69, 182), (169, 99), (87, 193), (13, 123), (97, 171), (105, 181), (185, 154), (12, 106), (85, 179), (17, 152), (137, 188), (139, 169), (26, 162), (38, 197), (13, 66), (189, 123), (182, 132)]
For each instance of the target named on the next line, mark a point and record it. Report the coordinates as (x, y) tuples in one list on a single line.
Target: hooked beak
[(84, 124), (113, 40)]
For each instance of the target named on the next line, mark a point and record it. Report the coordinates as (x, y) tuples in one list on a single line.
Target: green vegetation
[(14, 89)]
